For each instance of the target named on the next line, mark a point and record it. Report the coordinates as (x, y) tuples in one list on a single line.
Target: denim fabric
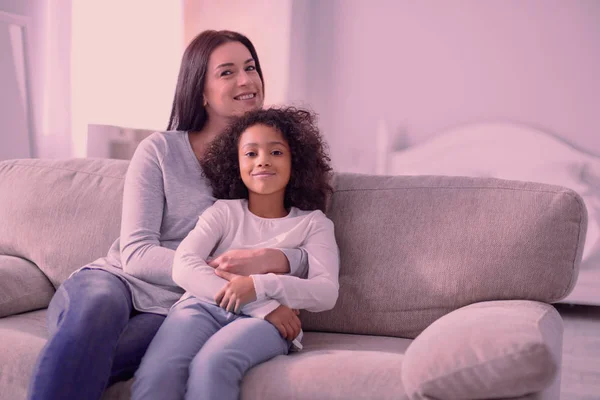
[(96, 338), (203, 352)]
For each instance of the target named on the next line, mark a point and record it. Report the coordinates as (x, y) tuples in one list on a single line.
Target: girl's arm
[(190, 270), (319, 291), (143, 200)]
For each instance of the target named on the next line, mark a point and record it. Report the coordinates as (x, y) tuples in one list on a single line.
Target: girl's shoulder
[(229, 207), (315, 216)]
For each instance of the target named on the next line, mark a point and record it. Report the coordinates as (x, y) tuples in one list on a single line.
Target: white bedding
[(511, 151)]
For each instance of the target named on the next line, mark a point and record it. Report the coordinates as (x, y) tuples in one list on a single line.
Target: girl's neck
[(267, 206)]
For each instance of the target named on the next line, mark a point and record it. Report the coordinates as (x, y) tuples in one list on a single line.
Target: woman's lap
[(89, 319)]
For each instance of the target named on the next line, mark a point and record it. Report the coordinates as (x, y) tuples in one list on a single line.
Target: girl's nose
[(264, 162)]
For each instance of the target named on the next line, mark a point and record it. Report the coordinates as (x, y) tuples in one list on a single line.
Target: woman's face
[(265, 160), (233, 86)]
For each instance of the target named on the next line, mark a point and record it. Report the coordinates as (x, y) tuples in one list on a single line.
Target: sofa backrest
[(60, 214), (414, 248)]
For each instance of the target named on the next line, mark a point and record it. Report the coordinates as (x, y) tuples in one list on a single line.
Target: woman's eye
[(251, 68), (226, 72)]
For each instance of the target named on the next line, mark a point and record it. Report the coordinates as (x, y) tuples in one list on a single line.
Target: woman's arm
[(143, 200), (262, 261), (319, 291)]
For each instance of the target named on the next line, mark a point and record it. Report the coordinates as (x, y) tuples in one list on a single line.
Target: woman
[(103, 317)]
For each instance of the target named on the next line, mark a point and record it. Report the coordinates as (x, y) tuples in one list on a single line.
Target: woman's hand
[(237, 293), (251, 261), (286, 321)]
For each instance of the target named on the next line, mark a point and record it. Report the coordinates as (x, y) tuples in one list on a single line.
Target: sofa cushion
[(60, 214), (498, 349), (331, 366), (23, 287), (23, 337), (414, 248)]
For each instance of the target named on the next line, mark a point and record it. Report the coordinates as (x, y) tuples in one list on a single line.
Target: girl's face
[(232, 86), (265, 160)]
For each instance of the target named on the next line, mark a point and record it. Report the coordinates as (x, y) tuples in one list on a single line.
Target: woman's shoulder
[(162, 138), (163, 144)]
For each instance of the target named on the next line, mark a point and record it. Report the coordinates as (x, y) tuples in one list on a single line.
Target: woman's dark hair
[(308, 188), (188, 112)]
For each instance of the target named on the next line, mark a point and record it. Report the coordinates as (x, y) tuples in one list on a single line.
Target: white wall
[(49, 68), (125, 60), (426, 66), (265, 22)]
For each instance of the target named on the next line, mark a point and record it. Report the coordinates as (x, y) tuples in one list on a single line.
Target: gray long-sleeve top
[(163, 196)]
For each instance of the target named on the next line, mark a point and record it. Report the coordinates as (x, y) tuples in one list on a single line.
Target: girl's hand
[(286, 321), (237, 293), (251, 261)]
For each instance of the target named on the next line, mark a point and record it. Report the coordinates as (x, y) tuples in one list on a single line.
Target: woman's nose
[(243, 78)]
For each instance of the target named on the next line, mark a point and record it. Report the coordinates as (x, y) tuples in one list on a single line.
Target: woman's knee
[(90, 297)]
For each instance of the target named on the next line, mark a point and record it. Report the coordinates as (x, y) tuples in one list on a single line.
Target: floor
[(581, 352)]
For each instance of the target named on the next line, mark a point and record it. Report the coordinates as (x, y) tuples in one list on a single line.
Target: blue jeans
[(96, 338), (202, 352)]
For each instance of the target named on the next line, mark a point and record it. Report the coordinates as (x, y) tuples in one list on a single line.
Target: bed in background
[(517, 152)]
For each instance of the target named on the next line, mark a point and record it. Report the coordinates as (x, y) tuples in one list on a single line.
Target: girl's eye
[(277, 152), (250, 154)]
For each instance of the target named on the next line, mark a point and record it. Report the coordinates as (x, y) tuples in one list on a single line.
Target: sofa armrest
[(493, 349), (23, 287)]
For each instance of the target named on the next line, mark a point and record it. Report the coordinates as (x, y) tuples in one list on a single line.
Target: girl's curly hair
[(308, 188)]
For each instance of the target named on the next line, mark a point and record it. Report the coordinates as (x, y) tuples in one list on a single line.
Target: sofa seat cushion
[(23, 337), (332, 366)]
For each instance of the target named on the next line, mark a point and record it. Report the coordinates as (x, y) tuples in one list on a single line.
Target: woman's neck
[(202, 138), (267, 206)]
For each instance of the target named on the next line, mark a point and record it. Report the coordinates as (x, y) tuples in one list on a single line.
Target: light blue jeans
[(202, 351), (96, 338)]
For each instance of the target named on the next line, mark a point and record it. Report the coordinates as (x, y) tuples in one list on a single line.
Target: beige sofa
[(445, 282)]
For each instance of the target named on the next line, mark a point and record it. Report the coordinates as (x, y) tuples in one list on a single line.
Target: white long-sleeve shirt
[(229, 224)]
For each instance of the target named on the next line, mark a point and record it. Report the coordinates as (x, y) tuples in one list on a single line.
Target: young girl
[(273, 167)]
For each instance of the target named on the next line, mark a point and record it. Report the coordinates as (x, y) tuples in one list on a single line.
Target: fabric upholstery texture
[(496, 349), (331, 366), (72, 208), (21, 339), (23, 287), (414, 248)]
